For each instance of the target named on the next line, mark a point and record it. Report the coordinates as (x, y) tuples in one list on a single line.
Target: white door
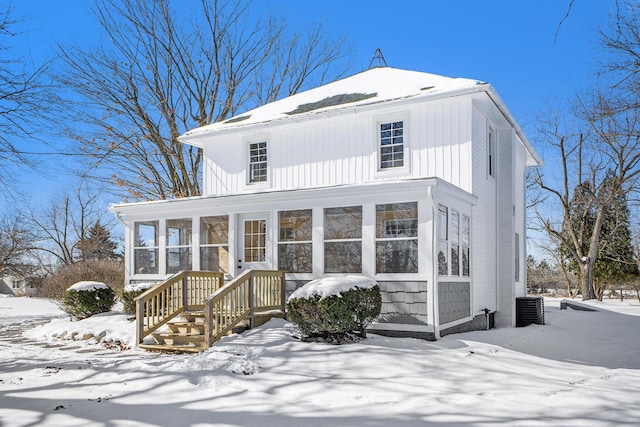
[(253, 247)]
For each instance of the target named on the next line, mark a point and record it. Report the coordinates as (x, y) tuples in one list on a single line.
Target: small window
[(464, 242), (257, 162), (517, 257), (491, 151), (294, 243), (214, 243), (391, 145), (397, 238), (145, 247), (443, 236), (343, 240), (178, 245)]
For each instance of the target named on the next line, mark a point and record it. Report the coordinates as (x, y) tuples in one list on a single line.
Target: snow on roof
[(368, 87), (87, 286), (332, 286)]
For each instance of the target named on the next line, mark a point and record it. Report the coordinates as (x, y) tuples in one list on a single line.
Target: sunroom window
[(343, 240), (178, 245), (397, 238), (145, 247), (214, 243), (453, 242), (391, 145), (294, 241)]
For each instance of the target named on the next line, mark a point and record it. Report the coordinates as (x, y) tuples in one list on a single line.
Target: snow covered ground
[(580, 369)]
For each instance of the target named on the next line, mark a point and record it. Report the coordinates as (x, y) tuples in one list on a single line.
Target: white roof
[(368, 87)]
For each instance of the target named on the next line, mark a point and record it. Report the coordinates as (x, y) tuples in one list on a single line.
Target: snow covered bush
[(129, 294), (335, 306), (84, 299)]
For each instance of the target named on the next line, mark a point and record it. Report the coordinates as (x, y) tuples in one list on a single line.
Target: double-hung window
[(397, 238), (343, 240), (391, 145), (257, 162), (214, 243), (178, 245), (294, 241), (145, 247)]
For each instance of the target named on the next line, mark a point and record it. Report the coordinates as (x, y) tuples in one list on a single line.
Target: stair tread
[(176, 334), (184, 348)]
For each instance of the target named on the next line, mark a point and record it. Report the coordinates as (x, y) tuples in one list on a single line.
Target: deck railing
[(184, 291), (253, 291)]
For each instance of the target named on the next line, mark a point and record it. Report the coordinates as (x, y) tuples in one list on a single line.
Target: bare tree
[(23, 95), (16, 242), (163, 72), (60, 227)]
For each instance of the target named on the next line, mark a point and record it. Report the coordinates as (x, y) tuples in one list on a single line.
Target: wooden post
[(185, 293), (139, 320), (252, 309), (208, 323)]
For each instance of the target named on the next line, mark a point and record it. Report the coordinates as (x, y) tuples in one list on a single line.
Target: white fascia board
[(340, 195)]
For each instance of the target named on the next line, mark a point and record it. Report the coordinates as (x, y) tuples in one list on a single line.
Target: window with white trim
[(391, 152), (178, 245), (214, 243), (453, 242), (343, 240), (145, 247), (294, 241), (491, 151), (257, 162), (397, 238)]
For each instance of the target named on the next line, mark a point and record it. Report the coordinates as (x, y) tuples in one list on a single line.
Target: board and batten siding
[(342, 150), (520, 214), (483, 225)]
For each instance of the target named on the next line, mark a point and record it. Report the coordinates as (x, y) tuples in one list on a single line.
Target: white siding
[(520, 217), (341, 150), (483, 225)]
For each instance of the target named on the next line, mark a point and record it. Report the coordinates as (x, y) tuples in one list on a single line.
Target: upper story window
[(397, 238), (145, 247), (257, 162), (391, 145), (491, 152), (178, 245), (294, 241)]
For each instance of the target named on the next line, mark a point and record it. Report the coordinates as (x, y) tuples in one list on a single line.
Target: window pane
[(146, 261), (397, 220), (258, 162), (443, 264), (214, 258), (465, 261), (343, 223), (178, 259), (443, 222), (295, 226), (214, 230), (343, 257), (455, 260), (179, 232), (465, 230), (146, 234), (397, 256), (391, 145), (295, 257), (455, 226), (254, 240)]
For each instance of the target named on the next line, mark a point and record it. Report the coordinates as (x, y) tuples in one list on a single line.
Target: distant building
[(16, 285), (413, 179)]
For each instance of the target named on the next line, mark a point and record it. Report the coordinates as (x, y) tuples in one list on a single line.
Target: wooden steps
[(186, 335)]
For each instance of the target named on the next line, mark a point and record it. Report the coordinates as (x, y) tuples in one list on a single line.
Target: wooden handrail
[(238, 300), (181, 292)]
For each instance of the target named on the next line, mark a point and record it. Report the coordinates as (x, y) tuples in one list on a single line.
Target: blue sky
[(507, 43)]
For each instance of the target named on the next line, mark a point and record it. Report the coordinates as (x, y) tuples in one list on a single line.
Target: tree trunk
[(586, 281)]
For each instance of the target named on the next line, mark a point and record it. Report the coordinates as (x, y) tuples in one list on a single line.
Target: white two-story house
[(413, 179)]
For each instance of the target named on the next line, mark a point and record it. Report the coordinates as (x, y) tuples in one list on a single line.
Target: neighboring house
[(414, 179), (16, 285)]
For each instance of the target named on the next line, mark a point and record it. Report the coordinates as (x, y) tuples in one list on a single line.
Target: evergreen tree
[(98, 245)]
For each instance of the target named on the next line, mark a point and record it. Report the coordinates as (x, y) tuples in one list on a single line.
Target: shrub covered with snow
[(335, 306), (129, 294), (84, 299)]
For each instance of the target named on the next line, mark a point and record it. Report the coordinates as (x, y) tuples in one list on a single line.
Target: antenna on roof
[(378, 55)]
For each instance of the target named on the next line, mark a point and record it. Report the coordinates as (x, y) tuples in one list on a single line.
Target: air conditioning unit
[(529, 310)]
